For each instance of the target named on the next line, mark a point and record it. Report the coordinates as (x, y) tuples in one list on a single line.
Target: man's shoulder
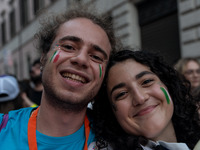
[(18, 111), (22, 114), (17, 120), (21, 111)]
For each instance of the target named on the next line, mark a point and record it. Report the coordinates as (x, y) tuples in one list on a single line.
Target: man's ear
[(43, 59)]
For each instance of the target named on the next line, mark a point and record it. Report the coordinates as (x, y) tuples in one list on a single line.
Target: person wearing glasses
[(189, 68)]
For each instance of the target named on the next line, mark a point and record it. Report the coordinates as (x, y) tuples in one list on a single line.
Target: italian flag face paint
[(100, 70), (55, 56), (167, 96)]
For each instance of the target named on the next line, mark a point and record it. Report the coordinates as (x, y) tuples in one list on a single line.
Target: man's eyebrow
[(77, 39), (141, 74), (70, 38), (116, 87), (97, 48)]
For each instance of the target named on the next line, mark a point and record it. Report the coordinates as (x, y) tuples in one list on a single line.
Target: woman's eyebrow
[(138, 76), (117, 86), (141, 74)]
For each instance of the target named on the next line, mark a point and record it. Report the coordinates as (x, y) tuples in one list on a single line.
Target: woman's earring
[(41, 68), (114, 107)]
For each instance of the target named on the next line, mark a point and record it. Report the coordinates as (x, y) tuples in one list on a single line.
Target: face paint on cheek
[(55, 46), (100, 70), (167, 96), (55, 56)]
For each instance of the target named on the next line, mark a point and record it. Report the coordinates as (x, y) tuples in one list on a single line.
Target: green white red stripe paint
[(100, 70), (167, 96), (55, 56)]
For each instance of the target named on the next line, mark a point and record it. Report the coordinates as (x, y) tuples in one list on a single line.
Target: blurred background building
[(171, 27)]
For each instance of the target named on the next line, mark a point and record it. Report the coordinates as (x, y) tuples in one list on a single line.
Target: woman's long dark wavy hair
[(185, 117)]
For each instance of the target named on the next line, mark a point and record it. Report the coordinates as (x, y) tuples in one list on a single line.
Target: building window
[(158, 18), (12, 23), (28, 62), (70, 2), (23, 12), (15, 68), (3, 31), (38, 4)]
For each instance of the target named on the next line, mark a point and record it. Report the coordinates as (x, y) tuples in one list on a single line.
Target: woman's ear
[(113, 106)]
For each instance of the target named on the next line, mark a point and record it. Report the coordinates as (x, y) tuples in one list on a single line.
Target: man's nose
[(81, 59)]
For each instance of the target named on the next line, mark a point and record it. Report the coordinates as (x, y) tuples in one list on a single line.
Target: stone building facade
[(171, 27)]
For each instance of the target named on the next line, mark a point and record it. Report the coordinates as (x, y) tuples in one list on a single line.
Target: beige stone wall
[(125, 18), (189, 18)]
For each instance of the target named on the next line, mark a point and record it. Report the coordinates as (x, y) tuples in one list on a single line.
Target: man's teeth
[(74, 77)]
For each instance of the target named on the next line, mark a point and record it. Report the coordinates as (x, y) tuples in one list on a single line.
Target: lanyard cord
[(32, 141)]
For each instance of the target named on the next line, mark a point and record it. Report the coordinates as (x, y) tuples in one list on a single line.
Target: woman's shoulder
[(197, 146)]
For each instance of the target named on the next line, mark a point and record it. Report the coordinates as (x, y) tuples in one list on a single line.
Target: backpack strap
[(4, 122)]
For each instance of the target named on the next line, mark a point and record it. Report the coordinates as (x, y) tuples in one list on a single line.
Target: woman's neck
[(168, 134)]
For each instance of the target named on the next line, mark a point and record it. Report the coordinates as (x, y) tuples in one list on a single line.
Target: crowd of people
[(9, 94), (31, 90), (139, 102), (15, 94)]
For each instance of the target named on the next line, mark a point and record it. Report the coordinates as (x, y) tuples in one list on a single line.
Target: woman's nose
[(139, 97)]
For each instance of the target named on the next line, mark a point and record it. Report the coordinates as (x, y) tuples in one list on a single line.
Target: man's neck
[(57, 123)]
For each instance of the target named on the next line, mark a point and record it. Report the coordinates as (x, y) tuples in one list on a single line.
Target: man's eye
[(68, 47), (96, 58), (120, 95)]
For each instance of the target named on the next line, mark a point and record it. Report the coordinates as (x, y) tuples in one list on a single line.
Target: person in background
[(75, 49), (143, 105), (9, 94), (32, 90), (189, 68)]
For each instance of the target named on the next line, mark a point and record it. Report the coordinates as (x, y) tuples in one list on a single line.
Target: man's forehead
[(84, 29)]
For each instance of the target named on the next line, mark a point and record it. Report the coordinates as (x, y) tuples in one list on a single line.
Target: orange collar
[(32, 141)]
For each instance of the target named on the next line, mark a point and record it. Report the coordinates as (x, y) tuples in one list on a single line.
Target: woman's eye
[(120, 95), (147, 82)]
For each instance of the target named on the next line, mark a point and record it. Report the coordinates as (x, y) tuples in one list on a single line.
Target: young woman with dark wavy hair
[(144, 105)]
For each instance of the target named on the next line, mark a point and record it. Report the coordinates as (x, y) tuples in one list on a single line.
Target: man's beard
[(63, 104)]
